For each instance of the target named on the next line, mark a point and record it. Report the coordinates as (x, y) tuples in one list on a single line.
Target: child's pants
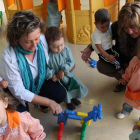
[(127, 109), (117, 63)]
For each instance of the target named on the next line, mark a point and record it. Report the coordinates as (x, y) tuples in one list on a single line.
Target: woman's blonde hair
[(23, 23), (130, 12), (12, 101)]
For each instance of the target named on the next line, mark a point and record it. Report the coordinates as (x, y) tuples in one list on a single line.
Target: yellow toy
[(83, 115), (80, 23)]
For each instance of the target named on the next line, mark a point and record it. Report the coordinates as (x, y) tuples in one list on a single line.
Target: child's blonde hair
[(130, 12), (12, 101)]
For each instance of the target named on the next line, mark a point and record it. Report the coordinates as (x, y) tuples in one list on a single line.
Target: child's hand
[(60, 74), (111, 58), (54, 78), (136, 127), (4, 84), (122, 81)]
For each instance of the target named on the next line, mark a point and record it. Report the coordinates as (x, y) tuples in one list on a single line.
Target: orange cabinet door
[(108, 2), (77, 4), (26, 4)]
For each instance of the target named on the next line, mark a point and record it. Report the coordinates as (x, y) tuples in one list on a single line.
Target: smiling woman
[(29, 43), (24, 64)]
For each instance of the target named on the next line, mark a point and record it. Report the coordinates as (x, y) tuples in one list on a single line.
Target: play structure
[(84, 117), (79, 23), (13, 6)]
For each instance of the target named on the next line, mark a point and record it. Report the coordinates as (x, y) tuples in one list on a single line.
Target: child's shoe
[(121, 116), (71, 106), (75, 101)]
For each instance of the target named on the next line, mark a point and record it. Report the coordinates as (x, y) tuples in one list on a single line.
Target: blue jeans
[(127, 109)]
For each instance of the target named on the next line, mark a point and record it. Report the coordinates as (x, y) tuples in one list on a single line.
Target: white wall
[(121, 3), (2, 6)]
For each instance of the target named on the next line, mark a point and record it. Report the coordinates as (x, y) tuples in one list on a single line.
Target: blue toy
[(67, 114), (94, 114), (62, 119), (93, 63)]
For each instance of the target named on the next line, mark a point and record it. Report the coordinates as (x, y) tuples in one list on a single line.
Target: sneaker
[(71, 106), (121, 116), (119, 88), (75, 101)]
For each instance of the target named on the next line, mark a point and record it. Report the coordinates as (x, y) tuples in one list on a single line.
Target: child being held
[(132, 94), (15, 125), (61, 65), (102, 42)]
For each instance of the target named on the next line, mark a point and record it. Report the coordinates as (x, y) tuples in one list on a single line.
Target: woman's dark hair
[(52, 34), (102, 16), (130, 13), (23, 23), (12, 101)]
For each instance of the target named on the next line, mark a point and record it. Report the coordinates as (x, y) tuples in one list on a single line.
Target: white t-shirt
[(105, 39)]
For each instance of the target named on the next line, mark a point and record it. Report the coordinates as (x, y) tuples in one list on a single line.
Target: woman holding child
[(24, 64), (125, 32)]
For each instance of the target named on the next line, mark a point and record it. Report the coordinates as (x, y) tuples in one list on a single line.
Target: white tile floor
[(100, 91)]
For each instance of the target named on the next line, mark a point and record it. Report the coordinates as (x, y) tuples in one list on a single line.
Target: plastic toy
[(84, 117), (60, 131), (93, 63), (83, 132), (80, 23)]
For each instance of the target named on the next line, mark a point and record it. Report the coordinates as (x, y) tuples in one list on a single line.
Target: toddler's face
[(3, 116), (103, 27), (57, 46)]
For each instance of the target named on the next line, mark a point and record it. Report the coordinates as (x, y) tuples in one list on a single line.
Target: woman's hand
[(39, 100), (86, 53), (122, 81), (54, 78), (111, 58), (55, 107), (60, 74)]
